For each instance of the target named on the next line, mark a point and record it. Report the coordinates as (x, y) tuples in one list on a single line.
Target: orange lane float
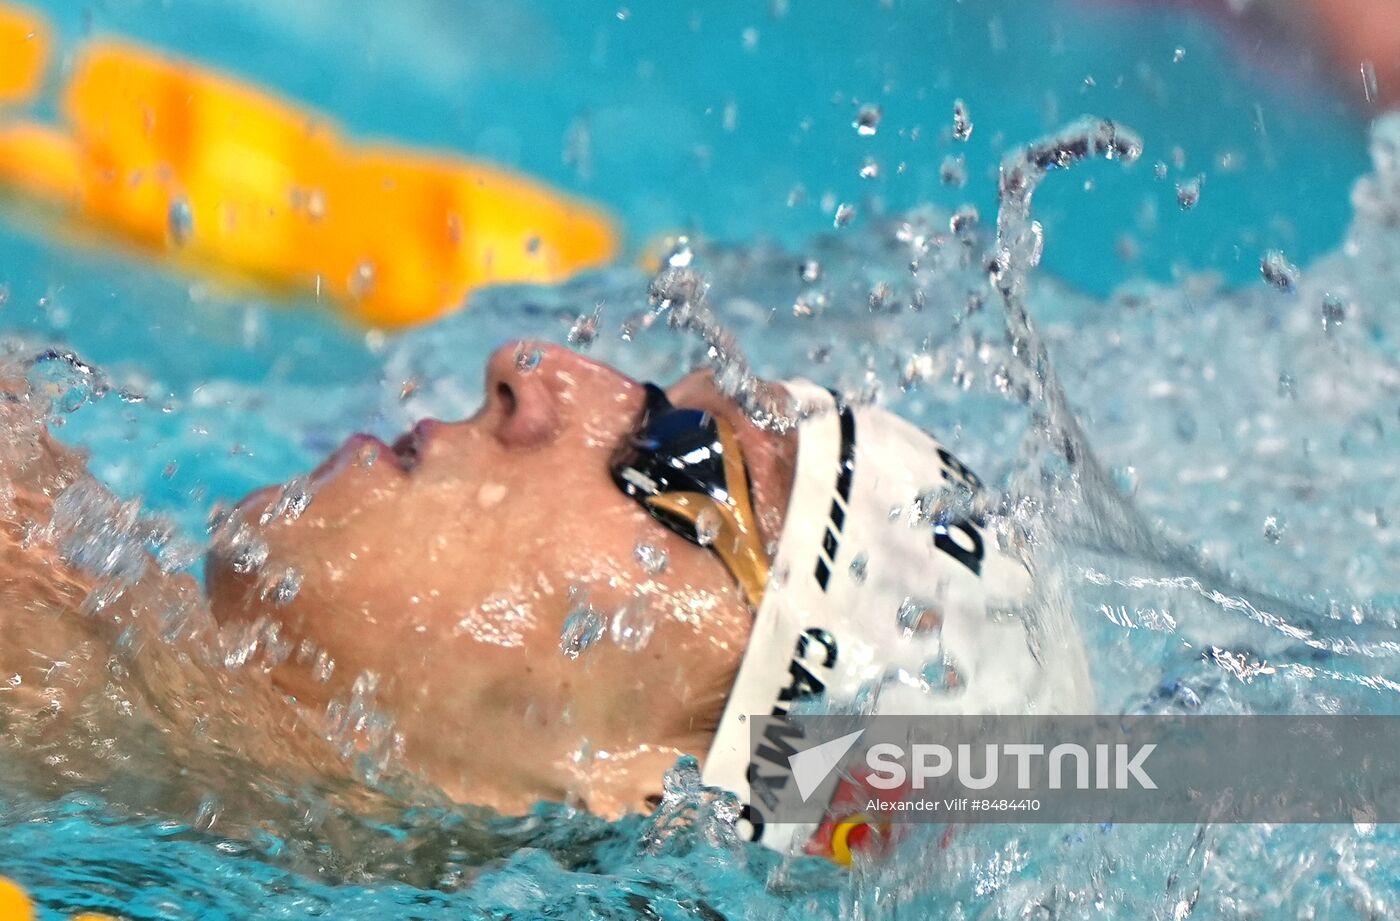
[(15, 905), (219, 175), (24, 52)]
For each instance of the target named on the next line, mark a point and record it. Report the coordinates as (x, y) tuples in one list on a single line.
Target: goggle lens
[(671, 451), (679, 463)]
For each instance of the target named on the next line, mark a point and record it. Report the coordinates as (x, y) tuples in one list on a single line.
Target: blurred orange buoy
[(219, 175)]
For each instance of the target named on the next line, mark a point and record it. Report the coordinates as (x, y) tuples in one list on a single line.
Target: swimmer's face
[(448, 565)]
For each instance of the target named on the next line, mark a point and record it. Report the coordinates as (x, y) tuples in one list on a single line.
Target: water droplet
[(921, 368), (281, 588), (964, 220), (366, 456), (582, 628), (880, 296), (207, 813), (653, 559), (940, 675), (707, 525), (844, 214), (919, 616), (290, 502), (680, 255), (249, 555), (860, 568), (953, 172), (1188, 193), (584, 331), (867, 120), (962, 121), (1333, 313), (1274, 528), (1278, 271), (361, 279), (1127, 479), (314, 200), (180, 221), (324, 667), (527, 357), (633, 625), (729, 116)]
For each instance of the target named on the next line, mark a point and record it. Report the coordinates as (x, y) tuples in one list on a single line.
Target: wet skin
[(447, 563)]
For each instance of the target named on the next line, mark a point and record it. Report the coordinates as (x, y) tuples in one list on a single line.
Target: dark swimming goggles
[(686, 467)]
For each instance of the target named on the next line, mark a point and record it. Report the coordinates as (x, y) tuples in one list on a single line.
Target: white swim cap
[(880, 606)]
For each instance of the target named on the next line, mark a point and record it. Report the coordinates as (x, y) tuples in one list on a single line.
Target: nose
[(535, 390)]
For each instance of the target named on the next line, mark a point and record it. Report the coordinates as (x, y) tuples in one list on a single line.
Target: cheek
[(666, 679), (710, 625), (445, 555), (689, 612), (457, 567)]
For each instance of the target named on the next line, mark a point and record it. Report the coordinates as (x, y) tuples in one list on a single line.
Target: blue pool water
[(1255, 427)]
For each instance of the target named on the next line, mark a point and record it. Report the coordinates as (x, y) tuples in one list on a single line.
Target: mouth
[(406, 450)]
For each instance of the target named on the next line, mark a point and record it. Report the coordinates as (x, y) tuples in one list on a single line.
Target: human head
[(464, 564), (450, 563)]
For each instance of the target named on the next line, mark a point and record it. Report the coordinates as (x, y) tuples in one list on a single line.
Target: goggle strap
[(746, 556), (738, 547)]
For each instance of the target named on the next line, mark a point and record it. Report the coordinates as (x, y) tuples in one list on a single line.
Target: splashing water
[(962, 121), (1018, 250), (1188, 193), (900, 311), (867, 121), (1279, 272)]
